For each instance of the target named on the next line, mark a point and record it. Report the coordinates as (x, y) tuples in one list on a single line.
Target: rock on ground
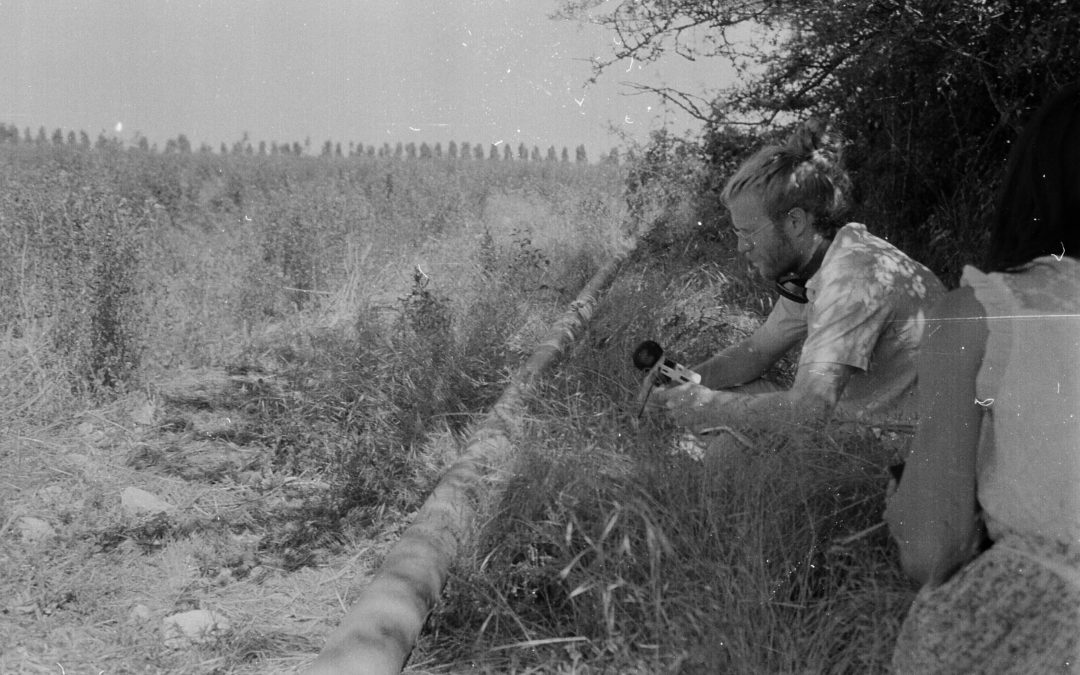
[(193, 627), (138, 502), (34, 529)]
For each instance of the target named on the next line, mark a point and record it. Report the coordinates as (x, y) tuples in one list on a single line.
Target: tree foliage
[(929, 93)]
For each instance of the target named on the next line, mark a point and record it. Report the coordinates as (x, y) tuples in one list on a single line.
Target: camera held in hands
[(647, 355)]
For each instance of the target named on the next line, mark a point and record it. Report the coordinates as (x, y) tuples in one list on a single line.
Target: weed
[(487, 256), (427, 314), (527, 263)]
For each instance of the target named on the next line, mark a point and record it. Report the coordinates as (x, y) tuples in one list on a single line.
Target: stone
[(258, 574), (78, 460), (34, 529), (143, 414), (137, 502), (139, 614), (197, 626)]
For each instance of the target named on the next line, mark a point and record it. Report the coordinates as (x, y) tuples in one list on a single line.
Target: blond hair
[(802, 172)]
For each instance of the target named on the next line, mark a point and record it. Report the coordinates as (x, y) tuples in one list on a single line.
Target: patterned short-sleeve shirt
[(866, 309)]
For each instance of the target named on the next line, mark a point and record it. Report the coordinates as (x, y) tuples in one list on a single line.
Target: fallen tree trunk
[(379, 632)]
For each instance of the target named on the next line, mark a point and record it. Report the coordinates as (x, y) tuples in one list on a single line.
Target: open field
[(273, 347), (287, 352)]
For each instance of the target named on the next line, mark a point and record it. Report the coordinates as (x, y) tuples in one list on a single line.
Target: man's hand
[(649, 385), (692, 405)]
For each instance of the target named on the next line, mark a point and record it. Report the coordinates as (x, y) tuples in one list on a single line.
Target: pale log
[(379, 631)]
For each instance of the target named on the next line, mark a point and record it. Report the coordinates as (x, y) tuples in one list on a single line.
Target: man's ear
[(800, 221)]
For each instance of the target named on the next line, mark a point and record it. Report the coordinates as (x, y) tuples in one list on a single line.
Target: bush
[(80, 274), (929, 94)]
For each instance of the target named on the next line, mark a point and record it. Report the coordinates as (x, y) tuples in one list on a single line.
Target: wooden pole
[(379, 632)]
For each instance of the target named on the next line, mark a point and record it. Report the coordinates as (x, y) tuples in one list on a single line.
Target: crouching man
[(856, 301)]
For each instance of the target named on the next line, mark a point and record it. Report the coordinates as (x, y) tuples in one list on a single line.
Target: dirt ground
[(113, 521)]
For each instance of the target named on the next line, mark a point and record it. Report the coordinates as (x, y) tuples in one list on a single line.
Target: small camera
[(649, 353)]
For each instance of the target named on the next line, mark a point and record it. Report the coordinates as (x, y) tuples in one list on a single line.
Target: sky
[(363, 71)]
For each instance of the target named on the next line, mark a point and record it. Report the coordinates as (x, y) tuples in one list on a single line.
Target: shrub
[(81, 273)]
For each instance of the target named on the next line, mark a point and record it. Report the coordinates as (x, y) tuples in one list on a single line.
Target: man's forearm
[(735, 365), (754, 410), (765, 411), (811, 399)]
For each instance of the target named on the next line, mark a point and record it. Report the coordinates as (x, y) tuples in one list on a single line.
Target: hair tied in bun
[(810, 140)]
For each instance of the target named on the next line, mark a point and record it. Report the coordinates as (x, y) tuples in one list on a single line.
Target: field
[(286, 352)]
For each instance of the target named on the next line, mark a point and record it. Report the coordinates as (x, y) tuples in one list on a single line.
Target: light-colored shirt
[(1028, 461), (866, 308)]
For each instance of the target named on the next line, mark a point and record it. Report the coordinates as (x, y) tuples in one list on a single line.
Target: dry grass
[(612, 551), (293, 409)]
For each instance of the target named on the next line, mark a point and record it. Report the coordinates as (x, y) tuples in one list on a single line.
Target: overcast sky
[(369, 71)]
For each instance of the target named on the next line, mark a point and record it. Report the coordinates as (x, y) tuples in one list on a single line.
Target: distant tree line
[(10, 134)]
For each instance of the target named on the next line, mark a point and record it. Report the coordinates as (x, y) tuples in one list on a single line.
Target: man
[(858, 301)]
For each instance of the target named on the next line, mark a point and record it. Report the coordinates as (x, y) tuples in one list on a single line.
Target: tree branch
[(691, 104)]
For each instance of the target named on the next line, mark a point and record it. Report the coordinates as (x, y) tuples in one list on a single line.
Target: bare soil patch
[(94, 568)]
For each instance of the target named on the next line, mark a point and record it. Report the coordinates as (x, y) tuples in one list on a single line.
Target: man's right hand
[(650, 383)]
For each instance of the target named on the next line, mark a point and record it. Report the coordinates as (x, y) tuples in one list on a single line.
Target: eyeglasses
[(748, 236)]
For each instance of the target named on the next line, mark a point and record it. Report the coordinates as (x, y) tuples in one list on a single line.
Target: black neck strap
[(793, 285)]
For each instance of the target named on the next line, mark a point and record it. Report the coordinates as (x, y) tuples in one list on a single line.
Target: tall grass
[(612, 551), (118, 265), (383, 301)]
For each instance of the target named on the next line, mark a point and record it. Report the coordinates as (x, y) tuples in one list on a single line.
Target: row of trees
[(181, 144), (9, 133), (466, 150)]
